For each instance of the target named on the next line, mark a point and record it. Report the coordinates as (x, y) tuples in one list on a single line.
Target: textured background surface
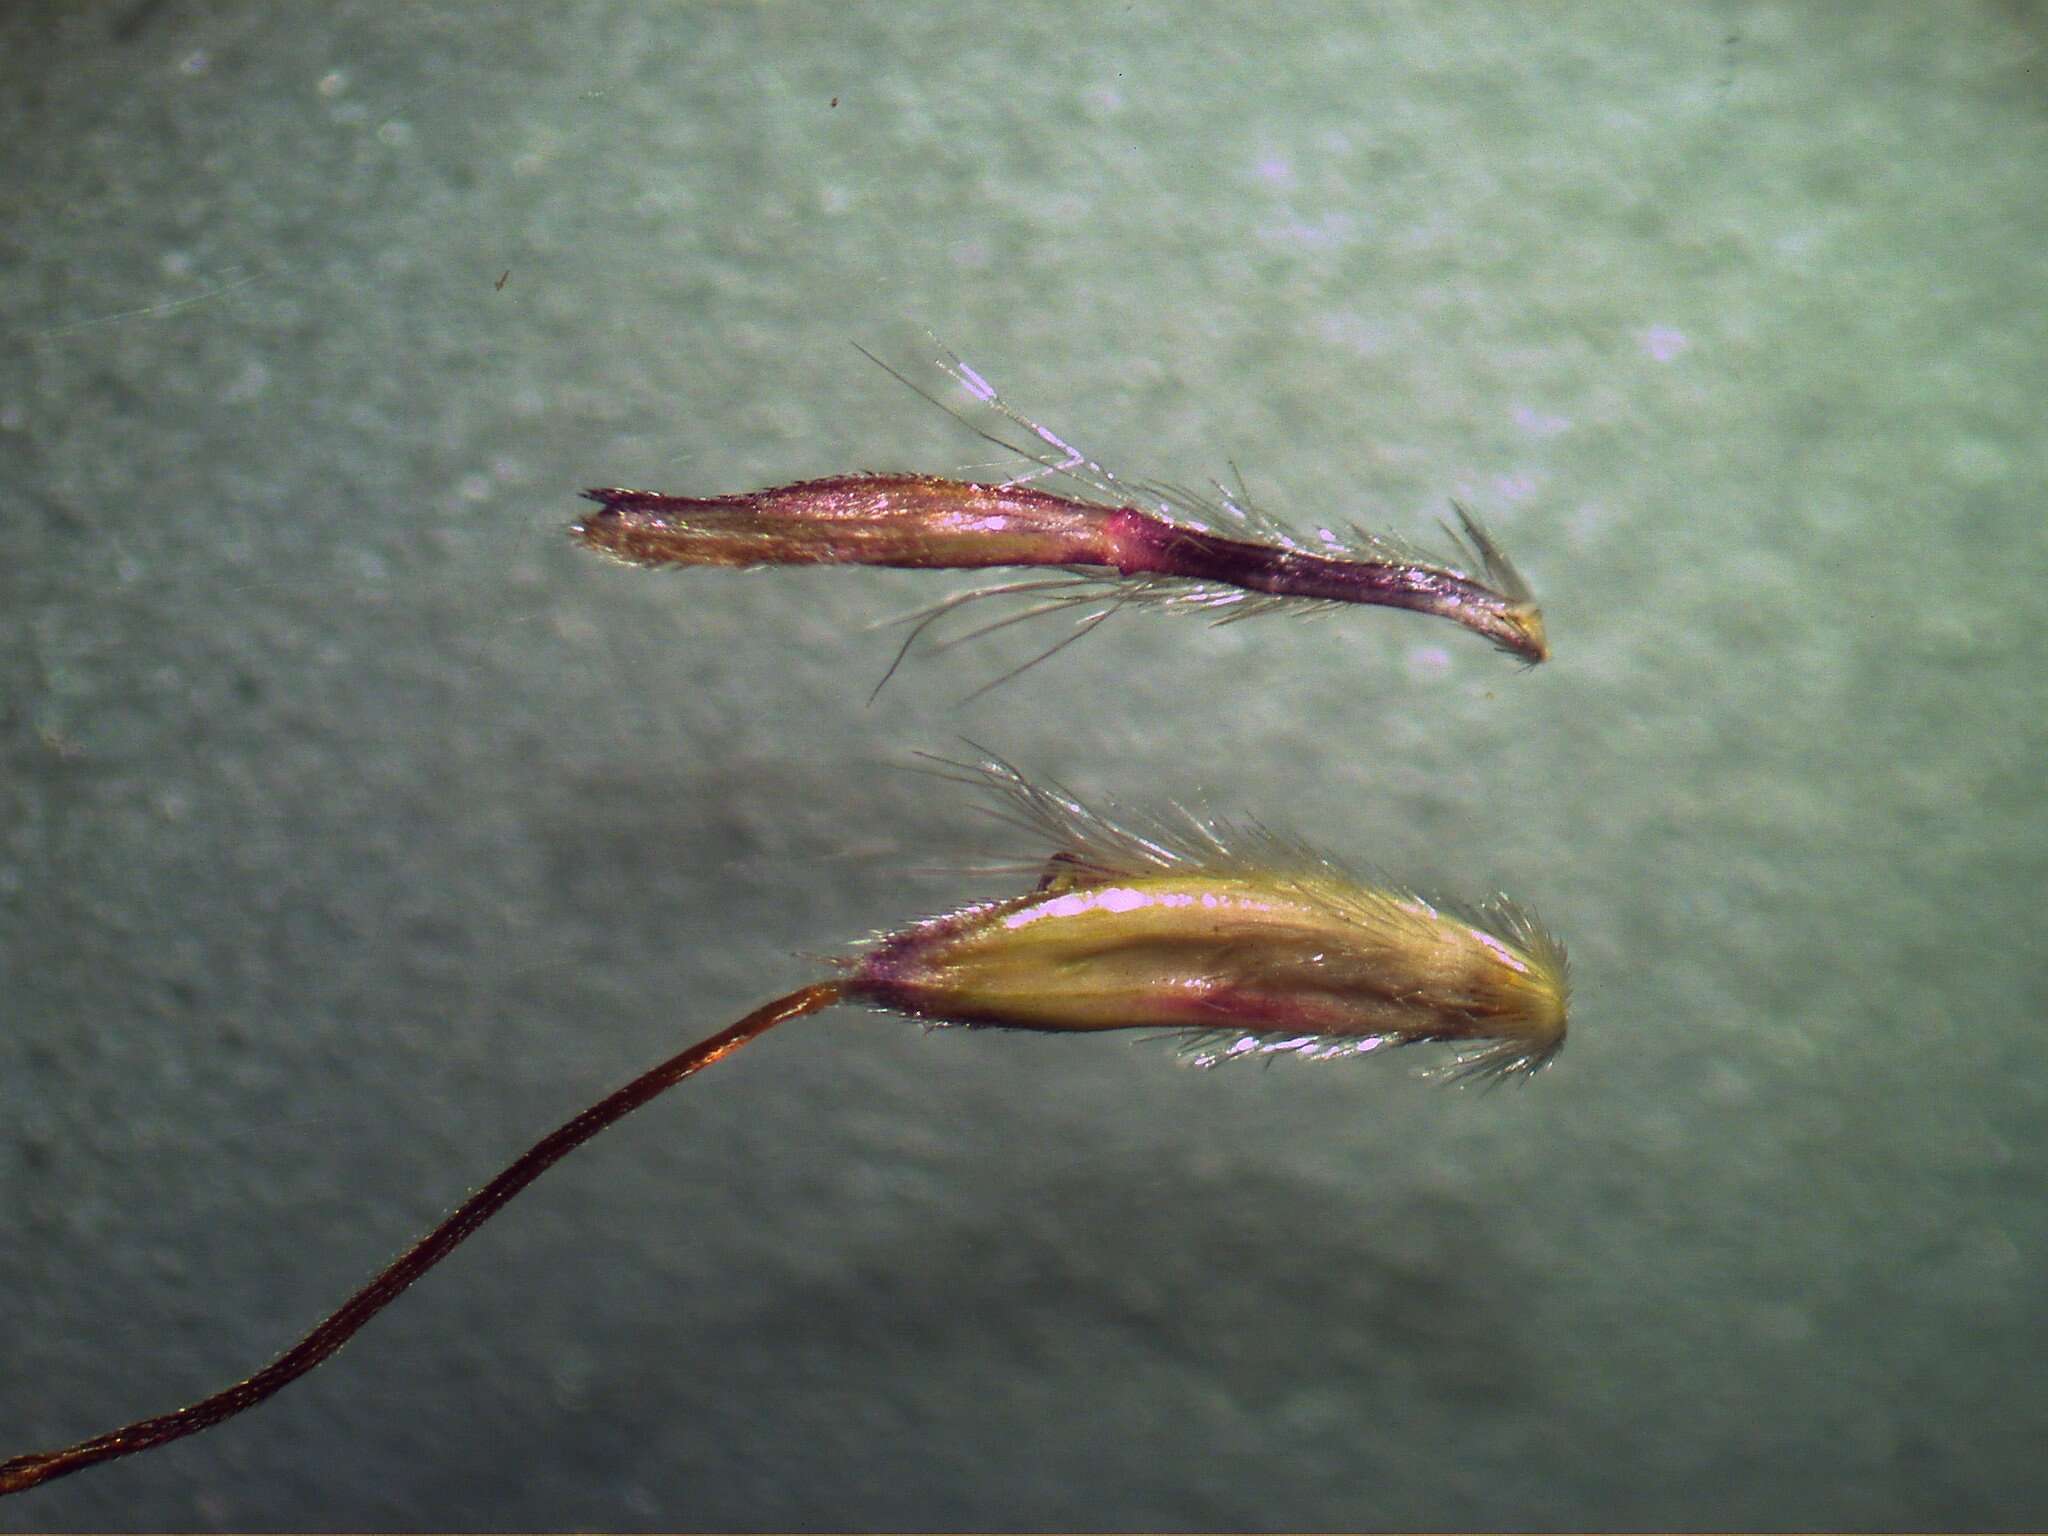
[(355, 829)]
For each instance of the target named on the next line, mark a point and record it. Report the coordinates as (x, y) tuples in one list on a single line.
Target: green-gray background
[(356, 829)]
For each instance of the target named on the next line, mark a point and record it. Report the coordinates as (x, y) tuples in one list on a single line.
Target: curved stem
[(22, 1472)]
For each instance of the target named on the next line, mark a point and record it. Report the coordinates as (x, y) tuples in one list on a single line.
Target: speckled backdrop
[(355, 828)]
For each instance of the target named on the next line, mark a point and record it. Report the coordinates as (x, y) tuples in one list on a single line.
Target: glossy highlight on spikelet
[(1247, 943), (1244, 944), (1121, 545)]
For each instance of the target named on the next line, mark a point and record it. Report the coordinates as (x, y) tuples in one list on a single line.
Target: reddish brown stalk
[(23, 1472)]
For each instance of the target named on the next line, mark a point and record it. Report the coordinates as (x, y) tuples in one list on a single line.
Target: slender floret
[(1247, 943), (1121, 544)]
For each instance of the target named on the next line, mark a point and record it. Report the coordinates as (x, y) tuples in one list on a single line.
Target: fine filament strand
[(22, 1472)]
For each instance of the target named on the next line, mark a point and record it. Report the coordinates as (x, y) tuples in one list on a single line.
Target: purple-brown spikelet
[(1142, 544)]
